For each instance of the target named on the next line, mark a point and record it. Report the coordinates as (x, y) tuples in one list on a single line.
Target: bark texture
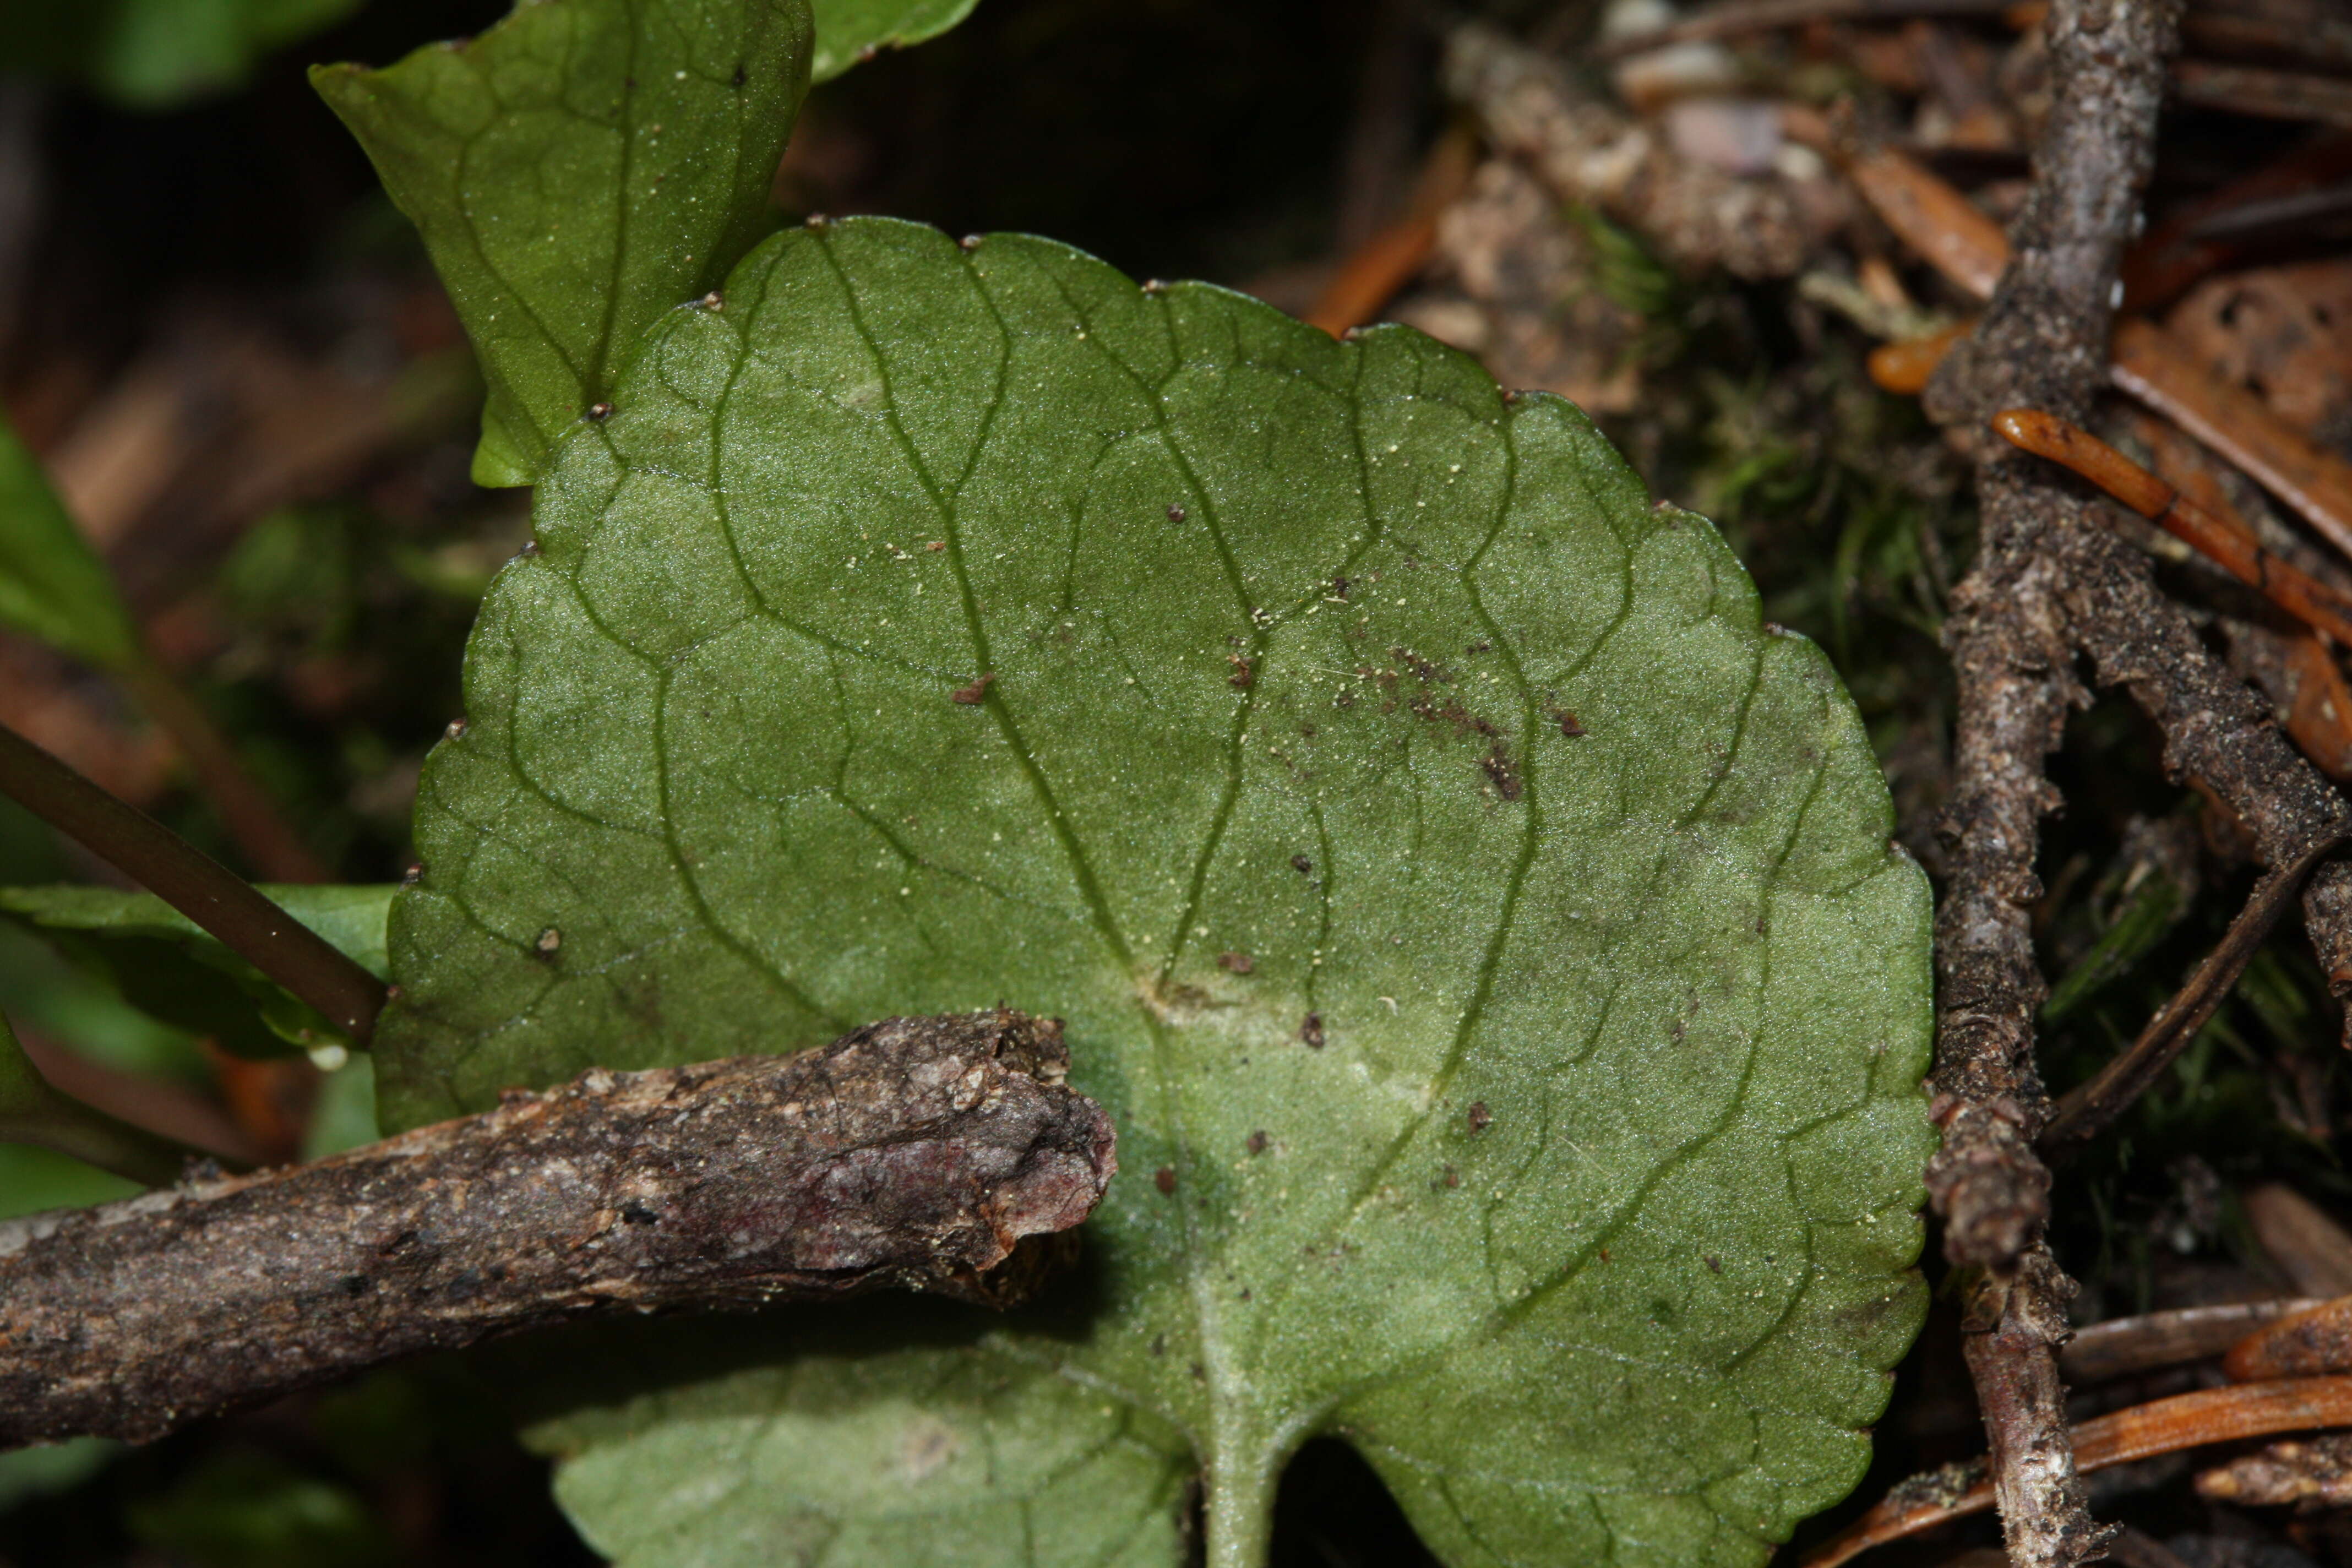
[(2036, 593), (940, 1154)]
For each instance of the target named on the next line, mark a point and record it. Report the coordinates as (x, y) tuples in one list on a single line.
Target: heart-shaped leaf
[(576, 171), (848, 31), (1483, 931)]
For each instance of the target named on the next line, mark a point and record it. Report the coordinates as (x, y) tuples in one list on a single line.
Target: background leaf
[(576, 171), (846, 28), (155, 54), (53, 586), (1482, 929), (172, 970)]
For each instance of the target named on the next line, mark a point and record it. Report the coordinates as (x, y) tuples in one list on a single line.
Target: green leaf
[(53, 586), (29, 1473), (168, 967), (847, 30), (31, 1112), (245, 1508), (155, 54), (1483, 930), (577, 170)]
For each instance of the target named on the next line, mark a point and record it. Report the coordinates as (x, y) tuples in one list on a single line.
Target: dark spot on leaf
[(1236, 963), (935, 545), (1257, 1141), (1452, 1178), (1242, 674), (1302, 864), (1164, 1179), (1500, 770), (1340, 588), (1477, 647), (976, 693), (1480, 1117), (741, 76), (1160, 1345), (1604, 1255), (1311, 1031), (1569, 726), (1175, 514), (1714, 1264), (1451, 712), (636, 1211)]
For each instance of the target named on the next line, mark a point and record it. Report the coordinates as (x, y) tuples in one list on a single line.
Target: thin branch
[(940, 1154), (193, 883), (2041, 344), (2090, 1108)]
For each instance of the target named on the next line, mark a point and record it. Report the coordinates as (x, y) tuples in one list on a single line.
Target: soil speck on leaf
[(1175, 514), (1302, 864), (547, 941), (1311, 1031), (1257, 1141), (976, 693), (1164, 1179), (1503, 774), (1480, 1117), (1236, 963)]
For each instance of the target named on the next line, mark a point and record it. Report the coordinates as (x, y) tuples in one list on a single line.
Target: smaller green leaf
[(52, 1467), (577, 170), (850, 31), (155, 54), (248, 1509), (33, 1112), (53, 586), (169, 968)]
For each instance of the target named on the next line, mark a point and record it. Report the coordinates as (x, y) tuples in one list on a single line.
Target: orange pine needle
[(1904, 367), (2142, 1432), (1957, 237), (2068, 444), (2307, 1344)]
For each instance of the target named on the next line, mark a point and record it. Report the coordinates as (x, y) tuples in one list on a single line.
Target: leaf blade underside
[(576, 171), (1482, 929)]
